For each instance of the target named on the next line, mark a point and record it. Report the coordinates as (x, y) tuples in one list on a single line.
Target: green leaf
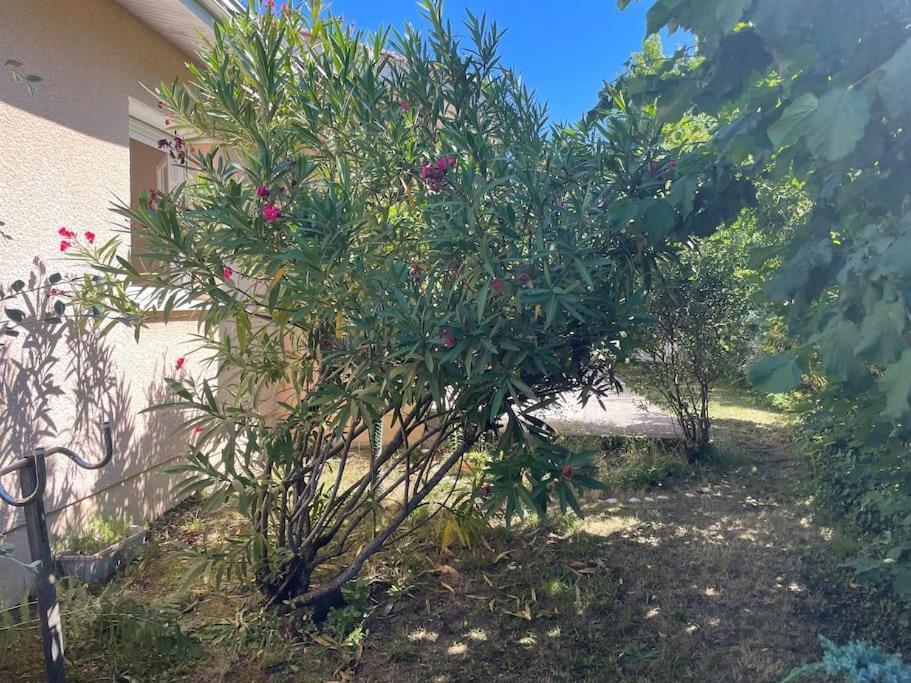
[(788, 128), (896, 384), (832, 131), (659, 219), (881, 332), (659, 15), (901, 583), (729, 12), (893, 83), (776, 374), (836, 347)]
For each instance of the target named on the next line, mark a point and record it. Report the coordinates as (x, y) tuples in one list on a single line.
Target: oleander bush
[(383, 228)]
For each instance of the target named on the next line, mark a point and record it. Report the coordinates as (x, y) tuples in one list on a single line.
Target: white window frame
[(147, 125)]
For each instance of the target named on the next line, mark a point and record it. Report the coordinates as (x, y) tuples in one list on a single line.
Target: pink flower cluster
[(69, 237), (435, 174), (176, 148), (448, 337), (271, 213)]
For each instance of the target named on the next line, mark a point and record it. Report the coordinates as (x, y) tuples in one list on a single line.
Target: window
[(150, 169)]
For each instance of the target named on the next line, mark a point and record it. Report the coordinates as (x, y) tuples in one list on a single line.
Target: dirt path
[(721, 579)]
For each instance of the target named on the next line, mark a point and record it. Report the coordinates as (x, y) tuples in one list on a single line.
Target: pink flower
[(496, 285), (426, 171), (66, 234), (271, 213), (403, 105), (449, 338), (524, 278), (567, 472), (90, 236), (262, 191), (64, 245), (153, 199), (197, 429), (160, 104), (167, 122), (227, 273), (163, 142), (180, 363), (416, 271), (485, 490), (269, 4), (445, 163)]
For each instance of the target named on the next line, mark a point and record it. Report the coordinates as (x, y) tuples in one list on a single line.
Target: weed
[(98, 534)]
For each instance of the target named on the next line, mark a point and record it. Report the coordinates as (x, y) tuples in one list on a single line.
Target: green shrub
[(123, 635), (386, 238), (100, 533), (639, 467), (855, 662)]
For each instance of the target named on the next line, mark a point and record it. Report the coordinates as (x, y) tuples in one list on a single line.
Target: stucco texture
[(64, 159)]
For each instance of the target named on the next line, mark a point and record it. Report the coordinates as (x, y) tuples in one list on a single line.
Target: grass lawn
[(713, 573)]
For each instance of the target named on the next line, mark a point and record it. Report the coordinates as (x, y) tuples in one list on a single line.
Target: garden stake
[(33, 477)]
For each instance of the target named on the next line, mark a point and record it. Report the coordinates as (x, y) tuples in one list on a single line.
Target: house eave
[(183, 23)]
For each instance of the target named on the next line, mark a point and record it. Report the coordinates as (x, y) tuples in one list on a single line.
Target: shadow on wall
[(57, 384)]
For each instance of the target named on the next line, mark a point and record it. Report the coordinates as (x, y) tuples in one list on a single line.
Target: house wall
[(63, 160)]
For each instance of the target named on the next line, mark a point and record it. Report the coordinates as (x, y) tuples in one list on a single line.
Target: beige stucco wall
[(64, 158)]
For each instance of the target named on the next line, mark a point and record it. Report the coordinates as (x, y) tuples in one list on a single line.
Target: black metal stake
[(46, 582), (32, 480)]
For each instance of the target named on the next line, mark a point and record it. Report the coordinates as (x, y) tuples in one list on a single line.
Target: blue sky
[(564, 49)]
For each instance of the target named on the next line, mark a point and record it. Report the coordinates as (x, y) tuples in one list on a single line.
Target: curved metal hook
[(36, 461), (108, 451)]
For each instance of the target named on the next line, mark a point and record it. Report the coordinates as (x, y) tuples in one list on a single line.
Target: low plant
[(638, 466), (854, 662), (101, 532), (123, 633)]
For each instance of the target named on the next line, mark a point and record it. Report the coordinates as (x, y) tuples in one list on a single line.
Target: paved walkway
[(626, 414)]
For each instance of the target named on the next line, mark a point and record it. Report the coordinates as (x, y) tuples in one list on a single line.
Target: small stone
[(612, 501), (649, 499), (689, 495), (633, 500), (663, 497)]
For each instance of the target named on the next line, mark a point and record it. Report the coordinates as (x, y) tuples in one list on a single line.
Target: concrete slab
[(626, 414)]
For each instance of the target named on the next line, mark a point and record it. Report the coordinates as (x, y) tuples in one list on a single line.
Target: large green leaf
[(880, 338), (893, 83), (896, 384), (838, 122), (788, 128), (836, 347), (776, 374)]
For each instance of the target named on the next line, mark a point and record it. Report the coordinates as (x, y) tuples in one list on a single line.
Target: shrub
[(98, 534), (123, 633), (855, 662), (697, 336), (386, 236)]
